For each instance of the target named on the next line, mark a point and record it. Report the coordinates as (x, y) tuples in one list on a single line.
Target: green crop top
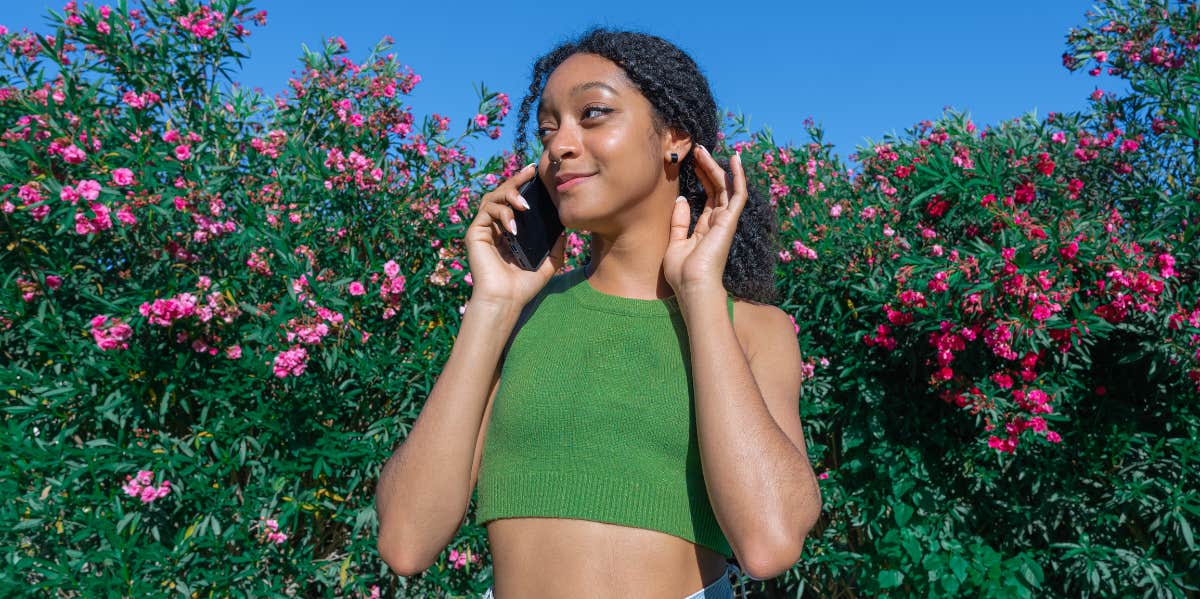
[(594, 417)]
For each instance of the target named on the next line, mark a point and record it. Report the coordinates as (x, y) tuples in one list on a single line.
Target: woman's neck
[(627, 269)]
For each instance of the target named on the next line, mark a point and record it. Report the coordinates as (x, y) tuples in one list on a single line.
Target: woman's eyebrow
[(582, 87)]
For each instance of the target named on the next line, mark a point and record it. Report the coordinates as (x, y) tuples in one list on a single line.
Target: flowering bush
[(221, 313), (1008, 330)]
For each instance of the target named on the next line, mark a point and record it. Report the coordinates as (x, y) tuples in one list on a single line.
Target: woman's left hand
[(696, 264)]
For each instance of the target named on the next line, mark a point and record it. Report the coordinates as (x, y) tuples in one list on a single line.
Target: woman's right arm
[(425, 487)]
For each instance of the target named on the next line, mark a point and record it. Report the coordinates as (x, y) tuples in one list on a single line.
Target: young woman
[(632, 424)]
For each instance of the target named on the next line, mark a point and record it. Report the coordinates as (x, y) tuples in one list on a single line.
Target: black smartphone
[(537, 228)]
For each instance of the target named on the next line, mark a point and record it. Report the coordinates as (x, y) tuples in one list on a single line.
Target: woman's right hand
[(496, 277)]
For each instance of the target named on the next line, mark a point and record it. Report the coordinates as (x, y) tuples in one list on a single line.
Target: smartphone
[(537, 228)]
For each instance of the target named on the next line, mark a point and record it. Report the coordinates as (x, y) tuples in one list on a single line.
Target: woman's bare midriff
[(535, 558)]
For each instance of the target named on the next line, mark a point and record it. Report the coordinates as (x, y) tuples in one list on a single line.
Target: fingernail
[(529, 165), (679, 199), (523, 202), (512, 225)]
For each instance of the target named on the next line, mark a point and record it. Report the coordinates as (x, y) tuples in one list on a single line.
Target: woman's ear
[(678, 141)]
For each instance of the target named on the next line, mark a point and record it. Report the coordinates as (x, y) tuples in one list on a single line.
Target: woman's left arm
[(760, 482)]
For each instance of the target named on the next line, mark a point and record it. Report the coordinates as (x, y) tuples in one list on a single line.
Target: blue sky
[(858, 69)]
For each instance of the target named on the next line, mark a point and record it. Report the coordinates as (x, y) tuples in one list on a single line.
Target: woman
[(642, 424)]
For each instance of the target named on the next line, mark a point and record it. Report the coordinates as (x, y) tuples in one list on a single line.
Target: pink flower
[(291, 362), (356, 288), (458, 559), (122, 177), (125, 215), (835, 210), (803, 251), (183, 152), (233, 352), (391, 269), (938, 283), (68, 194), (142, 487), (273, 535), (88, 190), (150, 494), (73, 155), (164, 312), (1008, 445), (112, 337)]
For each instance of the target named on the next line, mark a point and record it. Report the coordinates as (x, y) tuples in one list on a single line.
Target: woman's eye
[(596, 108), (541, 131)]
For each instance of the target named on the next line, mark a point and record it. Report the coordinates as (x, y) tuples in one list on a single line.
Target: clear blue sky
[(858, 69)]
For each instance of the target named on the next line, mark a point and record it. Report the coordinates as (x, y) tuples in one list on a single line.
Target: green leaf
[(889, 579)]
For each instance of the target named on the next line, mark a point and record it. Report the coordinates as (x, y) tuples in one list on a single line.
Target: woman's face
[(592, 119)]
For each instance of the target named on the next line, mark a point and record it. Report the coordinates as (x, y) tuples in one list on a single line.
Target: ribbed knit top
[(594, 417)]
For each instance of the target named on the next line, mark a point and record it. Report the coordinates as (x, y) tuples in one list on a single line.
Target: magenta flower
[(68, 194), (458, 559), (88, 190), (271, 526), (73, 155), (164, 312), (356, 288), (142, 487), (112, 336), (122, 177), (291, 362)]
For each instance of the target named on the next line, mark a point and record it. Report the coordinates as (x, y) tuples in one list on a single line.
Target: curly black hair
[(680, 96)]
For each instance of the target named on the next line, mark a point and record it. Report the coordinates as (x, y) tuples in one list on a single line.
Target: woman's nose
[(565, 143)]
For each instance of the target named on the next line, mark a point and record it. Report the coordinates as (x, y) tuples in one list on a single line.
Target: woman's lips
[(572, 183)]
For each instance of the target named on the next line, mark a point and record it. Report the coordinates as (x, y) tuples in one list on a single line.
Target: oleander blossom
[(459, 559), (122, 177), (270, 526), (291, 362), (164, 312), (142, 486), (392, 289), (110, 333)]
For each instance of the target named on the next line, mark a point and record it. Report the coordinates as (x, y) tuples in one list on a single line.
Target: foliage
[(1038, 278)]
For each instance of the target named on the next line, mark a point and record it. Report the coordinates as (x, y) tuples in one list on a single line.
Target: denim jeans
[(721, 589)]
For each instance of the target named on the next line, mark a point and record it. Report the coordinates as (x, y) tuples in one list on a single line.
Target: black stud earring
[(674, 157)]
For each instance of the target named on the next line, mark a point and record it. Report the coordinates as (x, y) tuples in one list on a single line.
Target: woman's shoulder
[(751, 317)]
